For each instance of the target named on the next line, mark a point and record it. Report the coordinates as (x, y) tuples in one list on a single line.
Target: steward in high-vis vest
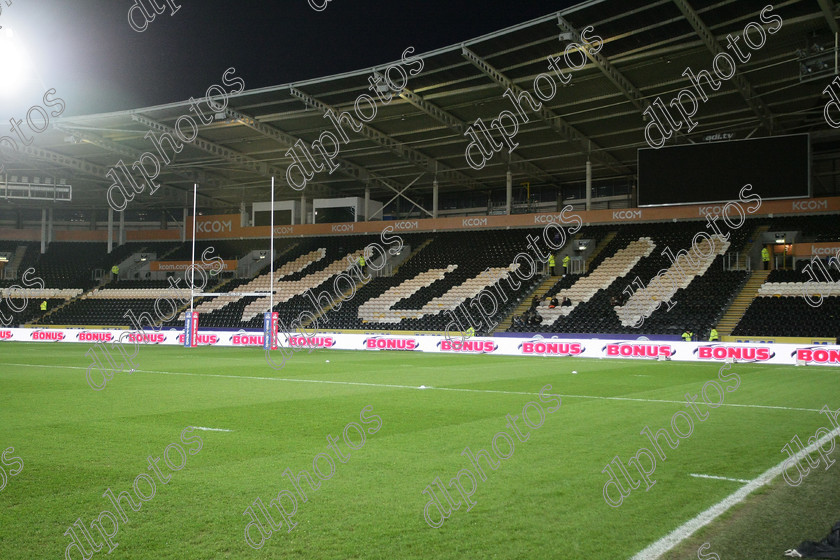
[(765, 256), (566, 261), (551, 263), (687, 335), (713, 336), (44, 306)]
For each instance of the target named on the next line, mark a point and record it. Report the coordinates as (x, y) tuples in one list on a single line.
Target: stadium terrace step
[(599, 247), (542, 288), (67, 301), (206, 303), (741, 302), (412, 255), (12, 267), (286, 290), (345, 296), (163, 256), (755, 236)]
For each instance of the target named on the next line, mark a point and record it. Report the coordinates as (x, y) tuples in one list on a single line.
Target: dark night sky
[(97, 63)]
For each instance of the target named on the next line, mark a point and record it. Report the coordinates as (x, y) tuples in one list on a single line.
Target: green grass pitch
[(543, 502)]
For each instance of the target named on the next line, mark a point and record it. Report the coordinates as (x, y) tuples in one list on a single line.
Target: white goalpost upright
[(270, 317), (192, 269), (191, 320), (271, 251)]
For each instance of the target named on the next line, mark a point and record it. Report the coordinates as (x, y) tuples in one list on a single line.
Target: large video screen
[(281, 217), (776, 167)]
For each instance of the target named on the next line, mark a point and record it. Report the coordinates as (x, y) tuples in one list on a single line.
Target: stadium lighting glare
[(15, 64)]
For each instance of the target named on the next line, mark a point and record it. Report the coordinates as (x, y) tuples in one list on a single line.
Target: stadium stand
[(782, 310), (442, 273), (636, 252)]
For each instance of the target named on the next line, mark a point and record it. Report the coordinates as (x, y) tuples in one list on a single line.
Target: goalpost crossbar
[(238, 294)]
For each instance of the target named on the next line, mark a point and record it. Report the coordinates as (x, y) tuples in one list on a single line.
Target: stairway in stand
[(741, 302), (544, 286)]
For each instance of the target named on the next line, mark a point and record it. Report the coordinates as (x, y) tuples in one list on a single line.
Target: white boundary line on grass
[(719, 478), (391, 386), (210, 429), (688, 528)]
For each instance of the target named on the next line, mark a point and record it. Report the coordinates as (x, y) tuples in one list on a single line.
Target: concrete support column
[(122, 228), (303, 209), (367, 203), (509, 193), (588, 185), (184, 225), (110, 230), (243, 215), (43, 230), (435, 199), (50, 225)]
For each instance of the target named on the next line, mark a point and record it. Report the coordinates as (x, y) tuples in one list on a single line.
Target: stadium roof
[(420, 135)]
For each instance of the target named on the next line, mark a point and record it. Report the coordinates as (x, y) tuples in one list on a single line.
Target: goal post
[(191, 318), (270, 317)]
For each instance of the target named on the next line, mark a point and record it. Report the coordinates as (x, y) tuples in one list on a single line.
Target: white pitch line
[(210, 429), (720, 478), (688, 528), (414, 387)]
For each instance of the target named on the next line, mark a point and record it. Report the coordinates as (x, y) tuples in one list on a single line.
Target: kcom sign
[(215, 226)]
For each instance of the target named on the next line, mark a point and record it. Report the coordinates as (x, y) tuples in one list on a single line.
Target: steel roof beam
[(459, 126), (552, 119), (828, 11), (237, 158), (419, 159), (352, 170), (125, 151), (741, 83)]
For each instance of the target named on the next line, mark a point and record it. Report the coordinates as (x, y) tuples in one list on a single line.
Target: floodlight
[(15, 64)]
